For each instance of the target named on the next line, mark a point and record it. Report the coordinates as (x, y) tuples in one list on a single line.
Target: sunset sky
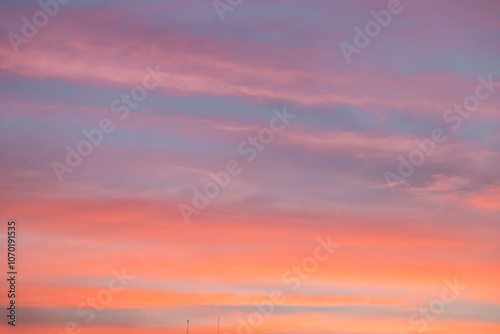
[(320, 211)]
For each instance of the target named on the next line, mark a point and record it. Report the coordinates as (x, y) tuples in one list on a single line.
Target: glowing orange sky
[(321, 177)]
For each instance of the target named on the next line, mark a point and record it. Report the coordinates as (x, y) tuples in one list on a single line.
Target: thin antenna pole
[(188, 327)]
